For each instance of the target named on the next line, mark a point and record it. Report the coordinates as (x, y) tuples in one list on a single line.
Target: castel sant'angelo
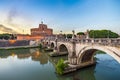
[(37, 33)]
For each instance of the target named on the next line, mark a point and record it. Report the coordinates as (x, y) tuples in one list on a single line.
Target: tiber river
[(32, 64)]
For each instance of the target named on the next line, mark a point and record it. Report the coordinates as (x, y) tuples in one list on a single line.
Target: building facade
[(37, 33), (42, 30)]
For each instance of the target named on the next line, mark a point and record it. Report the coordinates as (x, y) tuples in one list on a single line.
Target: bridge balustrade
[(97, 41)]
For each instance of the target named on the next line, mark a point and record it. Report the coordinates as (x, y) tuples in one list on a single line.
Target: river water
[(33, 64)]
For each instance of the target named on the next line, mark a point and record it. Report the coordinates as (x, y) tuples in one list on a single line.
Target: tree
[(69, 35), (7, 36), (102, 34), (80, 33)]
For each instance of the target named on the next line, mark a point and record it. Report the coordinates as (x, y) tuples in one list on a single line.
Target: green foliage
[(7, 36), (102, 34), (60, 66), (80, 33), (100, 52), (64, 35), (40, 46), (69, 35)]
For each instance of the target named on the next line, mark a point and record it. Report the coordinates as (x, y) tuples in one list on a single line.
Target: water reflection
[(54, 60), (82, 74), (107, 68), (38, 56), (34, 53), (32, 64)]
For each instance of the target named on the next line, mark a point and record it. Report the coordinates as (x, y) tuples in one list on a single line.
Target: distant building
[(37, 33), (42, 30)]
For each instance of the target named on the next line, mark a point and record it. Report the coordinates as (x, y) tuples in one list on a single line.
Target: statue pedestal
[(72, 60)]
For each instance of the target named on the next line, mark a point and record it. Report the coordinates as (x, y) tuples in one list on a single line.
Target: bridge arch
[(86, 54), (63, 48), (47, 43), (52, 45)]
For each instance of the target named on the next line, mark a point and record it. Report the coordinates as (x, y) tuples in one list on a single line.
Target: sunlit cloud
[(4, 29), (15, 22)]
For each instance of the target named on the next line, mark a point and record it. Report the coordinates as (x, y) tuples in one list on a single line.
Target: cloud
[(12, 14), (11, 19), (5, 29), (16, 21)]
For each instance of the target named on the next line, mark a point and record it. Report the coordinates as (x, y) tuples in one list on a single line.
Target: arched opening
[(46, 43), (106, 58), (63, 48), (52, 45), (88, 55)]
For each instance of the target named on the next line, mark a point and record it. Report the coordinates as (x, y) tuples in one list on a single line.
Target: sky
[(18, 16)]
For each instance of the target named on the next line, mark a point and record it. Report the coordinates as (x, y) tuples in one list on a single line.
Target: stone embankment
[(13, 44)]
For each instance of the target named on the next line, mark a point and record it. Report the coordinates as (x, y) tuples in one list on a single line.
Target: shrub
[(40, 46), (60, 66)]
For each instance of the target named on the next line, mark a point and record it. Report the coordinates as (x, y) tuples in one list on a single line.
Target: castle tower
[(42, 30)]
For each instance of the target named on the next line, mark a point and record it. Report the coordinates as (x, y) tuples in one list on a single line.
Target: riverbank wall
[(11, 44)]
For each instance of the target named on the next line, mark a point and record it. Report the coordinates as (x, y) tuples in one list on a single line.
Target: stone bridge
[(81, 51)]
